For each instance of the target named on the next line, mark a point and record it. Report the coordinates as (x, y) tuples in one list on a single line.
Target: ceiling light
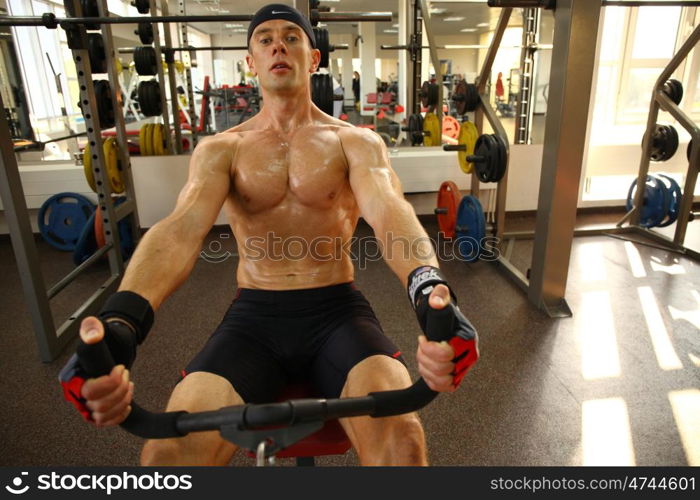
[(391, 31), (437, 11), (229, 25), (454, 18), (482, 25), (395, 25), (468, 30)]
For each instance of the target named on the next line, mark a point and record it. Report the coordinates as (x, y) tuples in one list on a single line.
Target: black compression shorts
[(270, 338)]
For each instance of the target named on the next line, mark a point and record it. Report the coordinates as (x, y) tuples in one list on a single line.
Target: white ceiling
[(477, 15)]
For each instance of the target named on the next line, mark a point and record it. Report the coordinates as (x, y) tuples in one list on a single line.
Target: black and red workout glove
[(462, 336), (126, 317)]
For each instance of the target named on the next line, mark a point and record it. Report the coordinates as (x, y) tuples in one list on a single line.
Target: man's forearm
[(162, 262), (405, 244)]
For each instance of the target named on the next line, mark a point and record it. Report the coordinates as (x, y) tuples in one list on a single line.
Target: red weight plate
[(448, 198), (99, 231)]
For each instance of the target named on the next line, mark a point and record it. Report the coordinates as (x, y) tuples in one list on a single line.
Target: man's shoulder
[(359, 135)]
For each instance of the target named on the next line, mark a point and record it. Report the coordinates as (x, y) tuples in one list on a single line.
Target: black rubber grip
[(454, 147), (440, 323), (96, 360)]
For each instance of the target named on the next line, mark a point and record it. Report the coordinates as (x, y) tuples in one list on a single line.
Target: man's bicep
[(373, 181), (207, 186)]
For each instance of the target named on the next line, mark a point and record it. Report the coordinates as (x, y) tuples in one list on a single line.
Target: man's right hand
[(105, 400)]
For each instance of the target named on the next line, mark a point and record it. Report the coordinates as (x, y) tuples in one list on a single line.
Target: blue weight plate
[(470, 228), (675, 195), (87, 244), (61, 219), (656, 201)]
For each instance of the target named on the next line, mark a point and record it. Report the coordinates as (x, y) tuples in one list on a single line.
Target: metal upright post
[(170, 60), (524, 108), (23, 244), (416, 55), (184, 42), (425, 12), (161, 79), (573, 56)]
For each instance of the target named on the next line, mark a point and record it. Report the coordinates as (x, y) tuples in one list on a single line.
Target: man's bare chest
[(309, 168)]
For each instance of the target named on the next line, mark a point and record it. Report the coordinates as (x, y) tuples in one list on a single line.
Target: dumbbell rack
[(661, 101)]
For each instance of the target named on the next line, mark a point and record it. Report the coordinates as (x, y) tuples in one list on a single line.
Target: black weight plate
[(672, 144), (415, 129), (145, 60), (459, 97), (154, 96), (90, 9), (689, 149), (322, 44), (428, 94), (502, 158), (674, 90), (143, 6), (105, 104), (482, 149), (96, 53), (145, 33), (472, 97), (664, 143)]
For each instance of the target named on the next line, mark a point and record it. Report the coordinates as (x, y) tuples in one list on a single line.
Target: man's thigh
[(369, 435)]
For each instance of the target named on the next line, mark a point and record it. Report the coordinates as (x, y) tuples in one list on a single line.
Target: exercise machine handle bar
[(97, 360)]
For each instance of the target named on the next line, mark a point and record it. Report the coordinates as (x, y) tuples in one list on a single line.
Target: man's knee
[(400, 441), (161, 452)]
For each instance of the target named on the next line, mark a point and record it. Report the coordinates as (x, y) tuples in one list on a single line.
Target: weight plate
[(105, 104), (149, 139), (87, 168), (145, 33), (450, 126), (473, 98), (433, 135), (502, 163), (61, 219), (111, 153), (459, 97), (142, 139), (322, 44), (86, 244), (656, 201), (470, 228), (468, 135), (415, 129), (158, 139), (447, 203), (664, 143), (96, 53), (486, 149), (675, 195), (145, 60), (689, 149), (143, 6), (674, 90), (428, 94), (99, 228)]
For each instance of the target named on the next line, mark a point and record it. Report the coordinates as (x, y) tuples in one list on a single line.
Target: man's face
[(280, 55)]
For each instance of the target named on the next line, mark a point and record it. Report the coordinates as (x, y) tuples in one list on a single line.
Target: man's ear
[(315, 60), (251, 64)]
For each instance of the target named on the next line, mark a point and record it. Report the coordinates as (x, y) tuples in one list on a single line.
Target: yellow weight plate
[(111, 152), (142, 140), (431, 124), (149, 139), (179, 66), (467, 136), (87, 168), (119, 65), (158, 148)]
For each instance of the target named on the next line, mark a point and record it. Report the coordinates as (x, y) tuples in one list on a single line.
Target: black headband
[(281, 11)]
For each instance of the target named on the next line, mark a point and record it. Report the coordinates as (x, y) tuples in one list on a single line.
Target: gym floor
[(616, 384)]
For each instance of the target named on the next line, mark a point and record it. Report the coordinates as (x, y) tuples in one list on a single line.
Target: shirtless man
[(290, 171)]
